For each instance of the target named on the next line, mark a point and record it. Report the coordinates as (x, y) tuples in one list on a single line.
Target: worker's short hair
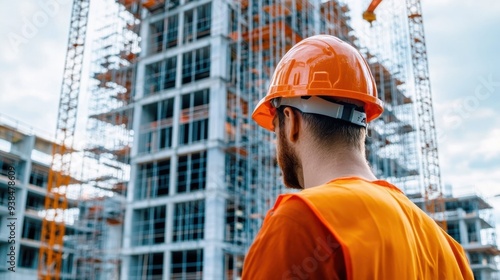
[(330, 131)]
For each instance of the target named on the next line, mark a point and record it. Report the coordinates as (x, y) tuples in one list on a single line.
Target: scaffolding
[(160, 72), (392, 148), (106, 170), (262, 31)]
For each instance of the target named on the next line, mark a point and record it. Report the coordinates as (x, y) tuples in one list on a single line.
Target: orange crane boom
[(369, 14), (431, 174)]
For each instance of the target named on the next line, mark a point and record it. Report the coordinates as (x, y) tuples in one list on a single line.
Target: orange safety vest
[(382, 233)]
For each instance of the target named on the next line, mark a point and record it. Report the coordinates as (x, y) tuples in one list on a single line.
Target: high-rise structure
[(174, 87), (470, 222), (24, 167)]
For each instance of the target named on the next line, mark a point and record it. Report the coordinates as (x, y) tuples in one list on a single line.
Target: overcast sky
[(463, 43)]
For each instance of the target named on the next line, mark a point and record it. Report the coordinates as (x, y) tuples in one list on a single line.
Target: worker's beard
[(288, 162)]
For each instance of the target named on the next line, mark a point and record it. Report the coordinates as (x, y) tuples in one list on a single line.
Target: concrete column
[(214, 216), (127, 223), (477, 225), (127, 227), (220, 19), (213, 262), (217, 111), (136, 127), (140, 80), (462, 227), (218, 70), (180, 32), (168, 239), (23, 177), (125, 268), (166, 264), (169, 222), (317, 16), (145, 37), (220, 58), (176, 118)]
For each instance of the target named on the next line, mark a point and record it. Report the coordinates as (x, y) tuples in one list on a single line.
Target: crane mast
[(434, 202), (56, 202), (431, 177)]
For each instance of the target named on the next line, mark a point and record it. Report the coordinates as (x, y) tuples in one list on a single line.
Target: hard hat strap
[(317, 105)]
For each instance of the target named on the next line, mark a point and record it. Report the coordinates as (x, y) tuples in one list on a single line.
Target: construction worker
[(344, 223)]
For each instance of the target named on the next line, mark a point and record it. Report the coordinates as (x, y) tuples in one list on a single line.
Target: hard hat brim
[(264, 112)]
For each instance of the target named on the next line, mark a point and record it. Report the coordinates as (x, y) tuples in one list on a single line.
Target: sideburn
[(288, 160)]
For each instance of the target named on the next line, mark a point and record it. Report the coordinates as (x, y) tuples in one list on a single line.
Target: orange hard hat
[(325, 66)]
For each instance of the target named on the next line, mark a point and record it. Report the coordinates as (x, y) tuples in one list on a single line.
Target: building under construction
[(24, 170), (177, 177), (174, 87), (470, 221)]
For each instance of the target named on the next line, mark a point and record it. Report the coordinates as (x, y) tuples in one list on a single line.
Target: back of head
[(322, 66), (330, 132)]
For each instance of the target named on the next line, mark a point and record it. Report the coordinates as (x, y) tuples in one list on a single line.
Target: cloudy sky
[(463, 42)]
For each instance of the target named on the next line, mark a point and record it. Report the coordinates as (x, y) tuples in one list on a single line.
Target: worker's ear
[(294, 121)]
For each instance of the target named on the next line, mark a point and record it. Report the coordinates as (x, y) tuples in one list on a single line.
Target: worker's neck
[(320, 167)]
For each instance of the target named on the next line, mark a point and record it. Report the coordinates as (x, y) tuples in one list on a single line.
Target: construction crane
[(56, 203), (431, 177)]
